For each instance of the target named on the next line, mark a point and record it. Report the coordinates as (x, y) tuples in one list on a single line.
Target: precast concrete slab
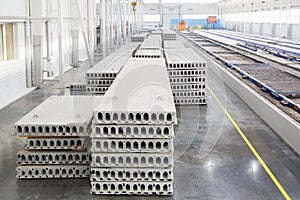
[(52, 171), (171, 44), (184, 80), (56, 143), (153, 42), (132, 160), (191, 101), (99, 83), (131, 174), (58, 116), (141, 94), (156, 32), (110, 66), (187, 73), (185, 58), (132, 188), (132, 131), (77, 86), (96, 90), (168, 34), (132, 145), (139, 37), (188, 87), (157, 53), (53, 157), (189, 94)]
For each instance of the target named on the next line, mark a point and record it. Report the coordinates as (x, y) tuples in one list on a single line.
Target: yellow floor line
[(276, 182)]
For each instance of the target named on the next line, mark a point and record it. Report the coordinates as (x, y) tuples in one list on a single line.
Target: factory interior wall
[(271, 30), (174, 11), (279, 19), (13, 72)]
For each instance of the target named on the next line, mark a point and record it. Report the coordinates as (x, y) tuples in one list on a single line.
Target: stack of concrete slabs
[(187, 72), (139, 37), (169, 35), (100, 77), (132, 132), (57, 137)]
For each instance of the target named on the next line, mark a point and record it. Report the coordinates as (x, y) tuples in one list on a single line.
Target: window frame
[(4, 42)]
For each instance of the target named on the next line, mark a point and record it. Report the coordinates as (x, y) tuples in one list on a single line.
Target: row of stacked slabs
[(78, 88), (132, 133), (187, 73), (150, 48), (168, 34), (57, 137), (101, 76), (139, 37)]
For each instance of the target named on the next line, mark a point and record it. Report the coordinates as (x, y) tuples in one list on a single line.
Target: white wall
[(12, 8), (295, 31), (170, 11), (12, 73), (271, 18)]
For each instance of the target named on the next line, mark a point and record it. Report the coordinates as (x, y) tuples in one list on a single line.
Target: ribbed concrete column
[(103, 26), (107, 25), (75, 35), (91, 27), (37, 39)]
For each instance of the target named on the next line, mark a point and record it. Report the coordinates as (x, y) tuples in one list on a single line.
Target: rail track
[(276, 82)]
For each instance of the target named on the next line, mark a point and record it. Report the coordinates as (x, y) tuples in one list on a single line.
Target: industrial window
[(269, 17), (284, 14), (1, 43), (295, 16), (192, 17), (256, 17), (151, 18), (6, 42), (231, 17), (276, 17), (247, 17)]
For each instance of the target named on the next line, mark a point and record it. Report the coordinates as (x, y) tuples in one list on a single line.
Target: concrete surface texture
[(152, 42), (60, 110), (114, 62), (211, 159), (183, 56), (143, 78)]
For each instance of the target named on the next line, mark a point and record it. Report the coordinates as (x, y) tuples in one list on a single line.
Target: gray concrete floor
[(211, 159)]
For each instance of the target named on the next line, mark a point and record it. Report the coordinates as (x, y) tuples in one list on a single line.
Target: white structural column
[(83, 29), (91, 26), (181, 12), (161, 13), (129, 19), (75, 34), (119, 22), (124, 16), (103, 27), (107, 25), (37, 39), (235, 18), (28, 48), (288, 20), (111, 25), (60, 46)]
